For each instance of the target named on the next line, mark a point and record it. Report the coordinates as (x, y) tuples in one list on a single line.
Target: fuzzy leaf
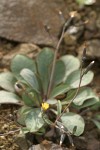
[(97, 116), (61, 89), (96, 106), (51, 101), (71, 64), (8, 98), (86, 97), (24, 130), (30, 78), (71, 120), (46, 120), (27, 100), (20, 62), (97, 123), (31, 98), (7, 81), (86, 2), (22, 112), (44, 62), (74, 79), (59, 72), (41, 131), (87, 103), (34, 120)]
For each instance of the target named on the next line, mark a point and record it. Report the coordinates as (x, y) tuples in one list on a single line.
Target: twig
[(82, 73), (65, 131), (10, 132), (55, 55)]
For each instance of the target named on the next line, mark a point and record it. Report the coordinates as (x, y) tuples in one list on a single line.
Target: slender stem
[(81, 76), (10, 132), (55, 55), (82, 73)]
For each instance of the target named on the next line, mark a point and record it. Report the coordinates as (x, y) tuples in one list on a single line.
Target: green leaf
[(71, 120), (24, 130), (61, 89), (22, 113), (20, 62), (97, 123), (46, 120), (8, 98), (27, 100), (51, 101), (7, 81), (41, 131), (71, 64), (96, 106), (97, 116), (74, 79), (86, 2), (59, 72), (31, 79), (87, 103), (44, 62), (31, 98), (34, 120), (54, 111), (59, 107), (86, 97)]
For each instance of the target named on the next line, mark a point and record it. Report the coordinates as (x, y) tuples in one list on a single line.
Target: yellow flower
[(45, 106)]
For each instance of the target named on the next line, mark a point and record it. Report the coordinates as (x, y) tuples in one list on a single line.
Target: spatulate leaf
[(59, 72), (30, 78), (7, 81), (22, 112), (74, 79), (71, 64), (8, 98), (71, 120), (20, 62), (44, 62), (61, 89), (86, 97), (34, 120)]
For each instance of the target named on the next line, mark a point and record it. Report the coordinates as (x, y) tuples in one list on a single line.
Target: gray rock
[(73, 34), (24, 20), (47, 146)]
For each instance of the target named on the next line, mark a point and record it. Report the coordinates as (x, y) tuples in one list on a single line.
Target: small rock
[(30, 50), (47, 145), (69, 39), (91, 25), (93, 49), (72, 34)]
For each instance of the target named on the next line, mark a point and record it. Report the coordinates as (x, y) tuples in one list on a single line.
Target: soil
[(9, 129)]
